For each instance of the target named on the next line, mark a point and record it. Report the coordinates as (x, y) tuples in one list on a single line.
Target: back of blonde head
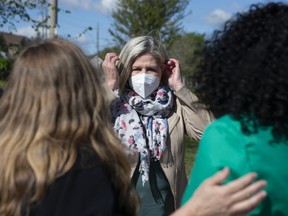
[(54, 104)]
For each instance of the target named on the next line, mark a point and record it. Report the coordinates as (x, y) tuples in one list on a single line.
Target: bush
[(5, 66)]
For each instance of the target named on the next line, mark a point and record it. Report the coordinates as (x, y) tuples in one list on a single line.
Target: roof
[(13, 39)]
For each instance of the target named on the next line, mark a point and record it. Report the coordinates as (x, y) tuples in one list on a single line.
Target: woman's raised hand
[(172, 67), (110, 70)]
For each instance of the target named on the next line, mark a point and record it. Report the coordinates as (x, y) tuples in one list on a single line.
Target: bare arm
[(239, 197)]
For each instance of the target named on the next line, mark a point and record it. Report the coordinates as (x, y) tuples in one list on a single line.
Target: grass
[(191, 147), (3, 83)]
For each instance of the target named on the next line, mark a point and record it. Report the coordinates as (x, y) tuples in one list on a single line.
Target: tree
[(5, 66), (188, 50), (14, 11), (115, 49), (160, 18)]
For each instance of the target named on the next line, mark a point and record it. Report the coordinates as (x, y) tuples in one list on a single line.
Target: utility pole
[(53, 18), (44, 15), (97, 45), (98, 39)]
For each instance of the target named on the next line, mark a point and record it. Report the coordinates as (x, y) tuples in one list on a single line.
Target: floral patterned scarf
[(142, 124)]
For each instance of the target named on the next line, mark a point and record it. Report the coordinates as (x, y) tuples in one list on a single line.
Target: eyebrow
[(138, 66)]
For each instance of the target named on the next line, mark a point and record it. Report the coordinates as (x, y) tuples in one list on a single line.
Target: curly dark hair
[(244, 72)]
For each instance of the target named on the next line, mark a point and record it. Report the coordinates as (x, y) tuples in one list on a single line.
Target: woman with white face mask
[(152, 111)]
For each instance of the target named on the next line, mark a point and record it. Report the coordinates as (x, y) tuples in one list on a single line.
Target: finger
[(249, 191), (219, 177), (108, 56), (248, 205), (240, 183), (175, 62), (111, 54), (170, 64), (114, 59)]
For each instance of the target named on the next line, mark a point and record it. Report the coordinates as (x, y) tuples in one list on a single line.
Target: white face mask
[(144, 84)]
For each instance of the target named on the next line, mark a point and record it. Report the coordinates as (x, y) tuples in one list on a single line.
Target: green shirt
[(223, 144)]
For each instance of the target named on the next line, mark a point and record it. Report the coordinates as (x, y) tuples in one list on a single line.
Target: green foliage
[(3, 45), (191, 147), (3, 84), (115, 49), (159, 18), (14, 11), (89, 28), (5, 66), (188, 50)]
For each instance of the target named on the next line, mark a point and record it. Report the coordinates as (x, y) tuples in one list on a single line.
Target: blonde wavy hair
[(54, 104)]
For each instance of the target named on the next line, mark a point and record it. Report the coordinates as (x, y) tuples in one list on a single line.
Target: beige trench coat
[(187, 118)]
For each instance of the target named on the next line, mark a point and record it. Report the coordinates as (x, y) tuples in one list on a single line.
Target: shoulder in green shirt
[(224, 145)]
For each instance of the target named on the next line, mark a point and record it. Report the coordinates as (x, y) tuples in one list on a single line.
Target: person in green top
[(244, 81)]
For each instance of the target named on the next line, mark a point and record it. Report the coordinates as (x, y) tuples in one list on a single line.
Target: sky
[(202, 16)]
